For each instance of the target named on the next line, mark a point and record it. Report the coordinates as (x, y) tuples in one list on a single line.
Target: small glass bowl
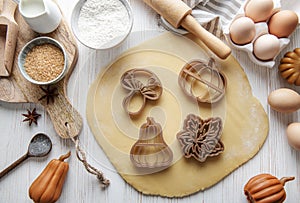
[(114, 42), (27, 48)]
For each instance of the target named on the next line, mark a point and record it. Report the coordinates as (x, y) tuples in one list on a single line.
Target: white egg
[(266, 47)]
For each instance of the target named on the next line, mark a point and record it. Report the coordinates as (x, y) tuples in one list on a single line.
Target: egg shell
[(242, 30), (266, 47), (284, 100), (262, 28), (283, 23), (293, 135), (293, 5), (259, 10)]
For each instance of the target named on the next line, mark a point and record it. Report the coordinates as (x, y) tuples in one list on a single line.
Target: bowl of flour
[(101, 24)]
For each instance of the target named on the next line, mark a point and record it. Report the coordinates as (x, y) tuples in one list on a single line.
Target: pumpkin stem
[(65, 156), (286, 179), (150, 121)]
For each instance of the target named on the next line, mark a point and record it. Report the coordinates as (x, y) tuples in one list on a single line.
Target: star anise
[(50, 94), (201, 138), (31, 116)]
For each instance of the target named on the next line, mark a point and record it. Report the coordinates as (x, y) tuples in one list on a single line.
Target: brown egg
[(283, 23), (284, 100), (242, 30), (293, 135), (259, 10)]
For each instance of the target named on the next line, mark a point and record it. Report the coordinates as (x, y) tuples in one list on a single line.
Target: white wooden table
[(275, 157)]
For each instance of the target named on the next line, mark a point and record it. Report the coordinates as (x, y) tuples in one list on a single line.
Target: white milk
[(32, 8), (43, 16)]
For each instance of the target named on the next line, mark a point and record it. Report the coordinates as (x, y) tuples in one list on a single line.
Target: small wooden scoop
[(8, 36), (178, 13)]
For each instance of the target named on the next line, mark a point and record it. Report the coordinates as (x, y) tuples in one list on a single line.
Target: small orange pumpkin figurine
[(265, 188), (47, 187), (290, 67)]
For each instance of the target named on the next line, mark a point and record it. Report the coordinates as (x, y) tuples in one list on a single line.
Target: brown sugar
[(44, 62)]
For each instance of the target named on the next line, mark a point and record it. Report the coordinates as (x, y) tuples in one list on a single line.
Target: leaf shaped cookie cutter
[(150, 150), (194, 76), (140, 82), (201, 138)]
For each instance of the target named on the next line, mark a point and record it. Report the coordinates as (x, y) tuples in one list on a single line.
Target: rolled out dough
[(245, 121)]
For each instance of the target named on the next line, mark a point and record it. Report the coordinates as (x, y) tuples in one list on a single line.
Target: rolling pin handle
[(178, 13), (171, 10), (216, 45)]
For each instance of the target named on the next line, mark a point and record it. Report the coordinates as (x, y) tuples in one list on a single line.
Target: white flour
[(100, 21)]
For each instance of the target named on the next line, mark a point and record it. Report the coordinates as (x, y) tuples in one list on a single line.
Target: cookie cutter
[(143, 83), (201, 138), (202, 81), (150, 150)]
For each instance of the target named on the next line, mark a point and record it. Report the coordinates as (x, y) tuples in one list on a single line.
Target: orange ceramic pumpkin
[(290, 67), (265, 188)]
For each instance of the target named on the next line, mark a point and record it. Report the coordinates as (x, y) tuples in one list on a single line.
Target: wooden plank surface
[(275, 157)]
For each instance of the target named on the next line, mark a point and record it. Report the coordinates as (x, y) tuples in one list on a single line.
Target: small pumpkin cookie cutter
[(150, 150), (201, 138), (202, 81), (140, 82)]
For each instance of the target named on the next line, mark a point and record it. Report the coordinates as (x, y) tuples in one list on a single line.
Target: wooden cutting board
[(16, 89)]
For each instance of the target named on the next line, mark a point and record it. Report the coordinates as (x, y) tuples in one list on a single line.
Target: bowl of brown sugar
[(43, 61)]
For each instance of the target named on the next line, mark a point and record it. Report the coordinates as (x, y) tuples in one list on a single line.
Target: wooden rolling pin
[(177, 13)]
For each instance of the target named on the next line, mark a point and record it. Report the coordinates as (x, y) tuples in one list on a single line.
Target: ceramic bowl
[(114, 42), (26, 49)]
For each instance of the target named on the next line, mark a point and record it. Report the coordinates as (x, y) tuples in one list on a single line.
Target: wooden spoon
[(8, 36), (39, 146)]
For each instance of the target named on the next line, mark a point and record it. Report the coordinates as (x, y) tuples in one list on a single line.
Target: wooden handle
[(66, 120), (216, 45), (1, 6), (13, 165), (9, 49), (172, 10), (10, 35), (177, 13), (8, 9)]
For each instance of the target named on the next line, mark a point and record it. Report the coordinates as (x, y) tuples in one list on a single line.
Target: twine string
[(81, 155)]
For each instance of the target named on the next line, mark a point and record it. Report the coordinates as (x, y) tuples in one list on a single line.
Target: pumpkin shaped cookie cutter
[(143, 83), (202, 81), (290, 67), (150, 150), (200, 139)]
